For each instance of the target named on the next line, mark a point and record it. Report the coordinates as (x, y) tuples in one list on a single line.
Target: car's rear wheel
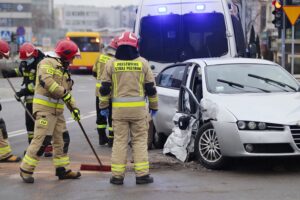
[(207, 148)]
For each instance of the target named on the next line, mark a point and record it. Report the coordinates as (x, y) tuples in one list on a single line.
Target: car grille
[(275, 127), (295, 130)]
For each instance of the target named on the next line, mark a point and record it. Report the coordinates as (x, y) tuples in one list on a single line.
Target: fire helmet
[(4, 49), (27, 50), (67, 49), (114, 43), (128, 38)]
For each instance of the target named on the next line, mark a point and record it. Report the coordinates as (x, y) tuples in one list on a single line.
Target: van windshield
[(175, 38)]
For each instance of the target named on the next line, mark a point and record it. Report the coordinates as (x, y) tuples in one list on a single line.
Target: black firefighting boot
[(48, 151), (27, 178), (11, 159), (116, 180), (110, 139), (102, 136), (62, 174), (144, 179)]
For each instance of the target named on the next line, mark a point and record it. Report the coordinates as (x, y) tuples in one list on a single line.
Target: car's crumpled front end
[(253, 125)]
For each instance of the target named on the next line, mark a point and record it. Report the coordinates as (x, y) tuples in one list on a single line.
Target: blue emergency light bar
[(162, 9), (200, 7)]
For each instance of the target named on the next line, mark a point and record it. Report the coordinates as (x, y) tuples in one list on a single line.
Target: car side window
[(172, 77)]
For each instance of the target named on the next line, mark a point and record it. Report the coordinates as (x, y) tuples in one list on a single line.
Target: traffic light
[(278, 13)]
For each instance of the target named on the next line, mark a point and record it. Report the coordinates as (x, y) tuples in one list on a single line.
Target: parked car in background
[(249, 107)]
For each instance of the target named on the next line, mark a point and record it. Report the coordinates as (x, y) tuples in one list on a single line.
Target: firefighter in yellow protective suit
[(127, 80), (52, 90), (98, 69), (5, 149)]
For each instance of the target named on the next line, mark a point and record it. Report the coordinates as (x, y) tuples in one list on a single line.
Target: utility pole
[(283, 37)]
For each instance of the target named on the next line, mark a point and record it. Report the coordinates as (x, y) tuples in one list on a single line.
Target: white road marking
[(8, 100), (23, 131)]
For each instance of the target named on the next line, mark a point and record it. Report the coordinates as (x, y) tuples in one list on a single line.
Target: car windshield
[(175, 38), (244, 78), (87, 44)]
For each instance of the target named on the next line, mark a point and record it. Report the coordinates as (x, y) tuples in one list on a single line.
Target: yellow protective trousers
[(138, 129), (46, 125), (5, 150)]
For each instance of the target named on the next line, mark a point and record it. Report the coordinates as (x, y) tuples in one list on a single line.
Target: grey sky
[(101, 3)]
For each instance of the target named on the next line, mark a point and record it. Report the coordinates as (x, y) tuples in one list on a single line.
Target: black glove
[(20, 94)]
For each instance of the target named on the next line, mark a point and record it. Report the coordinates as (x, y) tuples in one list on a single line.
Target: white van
[(172, 31)]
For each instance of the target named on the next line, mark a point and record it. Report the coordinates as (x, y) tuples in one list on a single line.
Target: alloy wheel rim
[(209, 147)]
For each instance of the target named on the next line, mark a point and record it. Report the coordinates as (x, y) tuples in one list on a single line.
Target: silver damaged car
[(244, 108)]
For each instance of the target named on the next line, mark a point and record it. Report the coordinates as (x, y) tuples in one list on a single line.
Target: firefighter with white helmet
[(127, 80), (52, 90), (5, 149), (98, 69)]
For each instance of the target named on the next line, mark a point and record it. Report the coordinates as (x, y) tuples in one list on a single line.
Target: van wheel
[(159, 139), (207, 148)]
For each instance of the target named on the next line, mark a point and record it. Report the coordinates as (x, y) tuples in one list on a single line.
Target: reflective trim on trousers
[(30, 161), (118, 168), (5, 150), (30, 134), (101, 126), (61, 162), (141, 166)]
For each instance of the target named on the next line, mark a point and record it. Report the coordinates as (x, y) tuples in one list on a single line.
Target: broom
[(89, 167)]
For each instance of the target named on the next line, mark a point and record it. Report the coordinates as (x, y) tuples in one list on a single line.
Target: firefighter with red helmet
[(5, 149), (127, 79), (98, 69), (30, 57), (52, 91)]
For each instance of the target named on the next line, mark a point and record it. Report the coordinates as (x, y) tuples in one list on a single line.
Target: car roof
[(218, 61)]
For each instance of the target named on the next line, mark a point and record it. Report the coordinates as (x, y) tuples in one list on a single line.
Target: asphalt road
[(249, 179)]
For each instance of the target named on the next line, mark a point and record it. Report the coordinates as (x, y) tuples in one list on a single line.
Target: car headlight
[(252, 125), (241, 125), (262, 126)]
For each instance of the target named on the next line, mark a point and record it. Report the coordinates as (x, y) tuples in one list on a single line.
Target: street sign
[(6, 35), (20, 30), (292, 12), (21, 40)]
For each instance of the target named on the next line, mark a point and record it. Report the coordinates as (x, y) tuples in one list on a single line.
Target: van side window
[(239, 36), (171, 77)]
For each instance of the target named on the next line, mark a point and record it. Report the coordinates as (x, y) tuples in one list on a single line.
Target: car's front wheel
[(207, 148)]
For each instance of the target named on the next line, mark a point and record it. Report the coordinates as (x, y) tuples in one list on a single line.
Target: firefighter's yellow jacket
[(53, 81), (127, 83)]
